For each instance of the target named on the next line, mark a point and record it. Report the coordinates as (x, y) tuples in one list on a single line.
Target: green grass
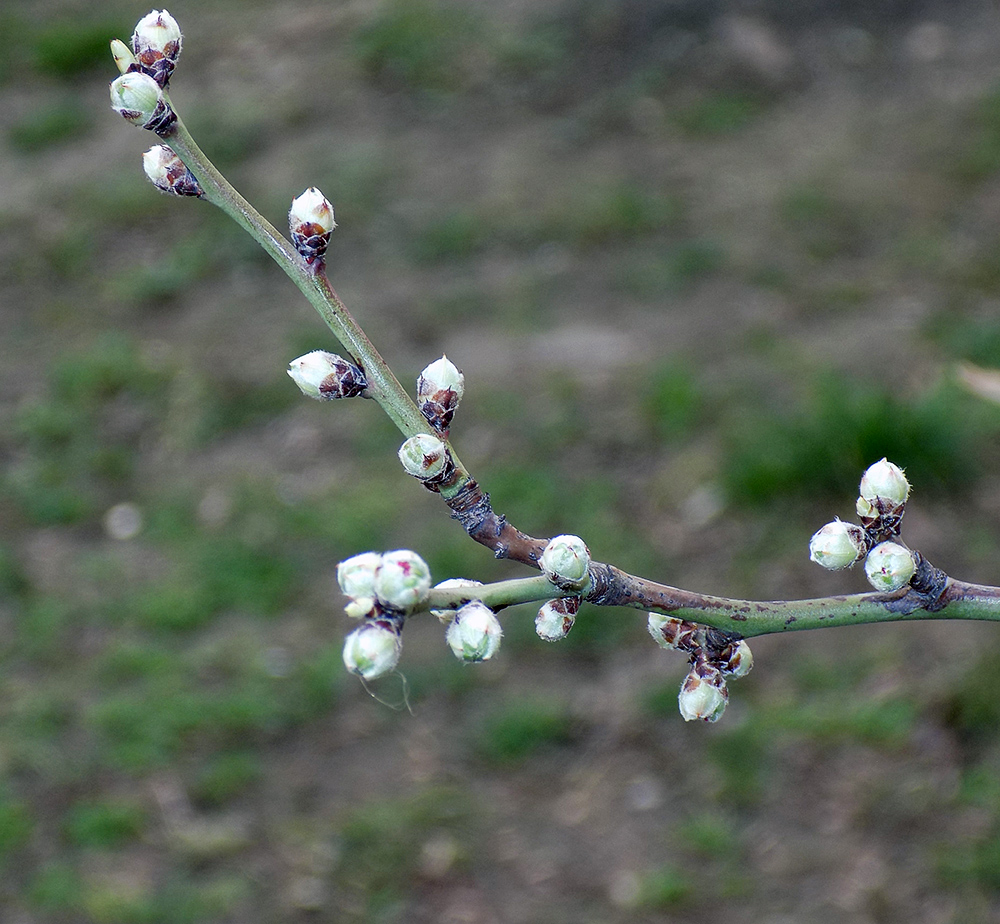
[(104, 824), (719, 113), (56, 123), (512, 733)]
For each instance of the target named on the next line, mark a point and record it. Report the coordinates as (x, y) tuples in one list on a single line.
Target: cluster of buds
[(889, 565), (145, 68), (326, 376), (439, 390), (714, 656), (310, 224)]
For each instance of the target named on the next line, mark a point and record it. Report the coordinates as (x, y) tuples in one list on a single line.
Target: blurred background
[(702, 262)]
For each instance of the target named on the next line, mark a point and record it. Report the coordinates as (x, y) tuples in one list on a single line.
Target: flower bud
[(703, 694), (157, 44), (402, 580), (565, 562), (439, 389), (889, 566), (736, 659), (310, 222), (672, 633), (475, 633), (446, 616), (556, 618), (372, 649), (168, 172), (124, 59), (326, 376), (838, 545), (425, 457), (138, 99), (884, 481), (356, 575)]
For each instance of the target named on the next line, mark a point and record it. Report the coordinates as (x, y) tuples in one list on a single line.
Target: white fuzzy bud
[(402, 580), (425, 457), (446, 616), (356, 575), (565, 562), (475, 632), (310, 222), (703, 695), (327, 376), (837, 545), (556, 618), (886, 481), (440, 388), (889, 567), (157, 44), (373, 649), (168, 172)]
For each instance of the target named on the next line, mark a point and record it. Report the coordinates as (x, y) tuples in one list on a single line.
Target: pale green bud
[(135, 97), (703, 697), (356, 575), (424, 457), (373, 649), (402, 580), (327, 376), (124, 59), (889, 566), (887, 481), (475, 632), (556, 618), (565, 562), (837, 545)]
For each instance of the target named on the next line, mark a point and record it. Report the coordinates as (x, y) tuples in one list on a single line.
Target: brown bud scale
[(346, 381), (310, 240)]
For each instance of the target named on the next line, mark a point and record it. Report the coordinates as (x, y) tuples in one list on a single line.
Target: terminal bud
[(838, 545), (556, 618), (439, 390), (310, 223), (168, 172), (373, 649), (402, 580), (566, 562), (889, 566), (327, 376), (157, 44), (425, 457), (885, 481), (475, 632)]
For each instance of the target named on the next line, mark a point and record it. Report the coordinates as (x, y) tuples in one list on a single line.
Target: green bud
[(565, 562), (402, 580), (373, 649), (886, 481), (356, 575), (889, 567), (837, 545), (703, 695), (475, 632), (425, 457)]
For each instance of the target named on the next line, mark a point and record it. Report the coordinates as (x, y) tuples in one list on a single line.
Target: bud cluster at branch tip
[(556, 618), (439, 390), (713, 655), (327, 376), (310, 223), (145, 69), (474, 633), (566, 562), (426, 457), (167, 172)]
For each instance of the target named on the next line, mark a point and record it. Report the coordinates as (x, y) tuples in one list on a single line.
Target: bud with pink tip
[(566, 562), (168, 172), (703, 694), (157, 44), (373, 649), (310, 223), (439, 390), (326, 376), (556, 618), (475, 632), (889, 567), (402, 580), (138, 99), (426, 457), (838, 545)]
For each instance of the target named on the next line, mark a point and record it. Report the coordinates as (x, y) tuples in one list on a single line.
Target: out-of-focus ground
[(701, 262)]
